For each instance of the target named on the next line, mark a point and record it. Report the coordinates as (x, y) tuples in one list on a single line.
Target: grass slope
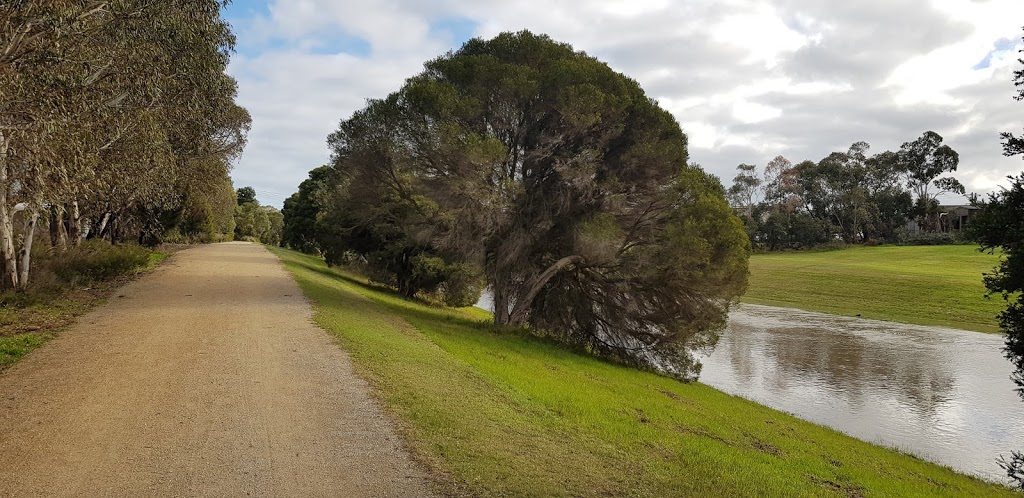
[(499, 414), (926, 285)]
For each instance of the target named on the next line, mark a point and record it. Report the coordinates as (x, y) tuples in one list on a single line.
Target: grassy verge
[(500, 414), (29, 319), (926, 285)]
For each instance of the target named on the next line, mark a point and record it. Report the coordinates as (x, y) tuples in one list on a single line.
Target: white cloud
[(747, 79), (752, 112)]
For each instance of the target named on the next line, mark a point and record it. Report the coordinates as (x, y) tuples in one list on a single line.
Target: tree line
[(520, 165), (256, 222), (117, 121), (851, 196)]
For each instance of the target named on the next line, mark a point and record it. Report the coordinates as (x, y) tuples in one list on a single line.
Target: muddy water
[(941, 394)]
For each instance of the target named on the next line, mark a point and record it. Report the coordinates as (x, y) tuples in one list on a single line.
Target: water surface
[(942, 394)]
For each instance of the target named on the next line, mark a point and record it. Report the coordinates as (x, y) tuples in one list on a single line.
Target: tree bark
[(58, 227), (10, 268), (500, 304), (75, 224), (524, 302), (102, 226), (31, 221)]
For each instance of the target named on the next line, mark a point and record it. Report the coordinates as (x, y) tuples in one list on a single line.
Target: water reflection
[(942, 394)]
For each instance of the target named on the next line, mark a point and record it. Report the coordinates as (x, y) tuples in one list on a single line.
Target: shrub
[(933, 239), (96, 260)]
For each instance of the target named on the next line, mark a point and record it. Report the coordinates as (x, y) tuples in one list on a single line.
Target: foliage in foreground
[(496, 413), (1004, 228), (560, 182), (1001, 227)]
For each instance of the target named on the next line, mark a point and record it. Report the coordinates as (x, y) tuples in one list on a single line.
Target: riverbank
[(500, 414), (923, 285)]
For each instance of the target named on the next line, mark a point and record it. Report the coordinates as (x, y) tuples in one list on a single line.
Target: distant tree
[(246, 195), (925, 160), (302, 209), (275, 226), (744, 189), (782, 185), (891, 204), (251, 221)]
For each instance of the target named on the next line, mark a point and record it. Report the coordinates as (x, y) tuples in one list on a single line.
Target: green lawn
[(927, 285), (501, 414)]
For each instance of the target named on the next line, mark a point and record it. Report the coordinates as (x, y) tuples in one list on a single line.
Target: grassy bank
[(926, 285), (29, 319), (499, 414)]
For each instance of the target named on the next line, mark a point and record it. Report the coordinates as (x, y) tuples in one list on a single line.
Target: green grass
[(503, 414), (926, 285), (16, 347)]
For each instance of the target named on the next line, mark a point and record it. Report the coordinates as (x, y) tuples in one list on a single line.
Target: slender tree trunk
[(55, 222), (101, 227), (31, 221), (10, 268), (500, 304), (524, 302), (75, 224), (58, 227)]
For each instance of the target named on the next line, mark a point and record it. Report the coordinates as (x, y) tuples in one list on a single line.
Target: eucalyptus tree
[(109, 108), (568, 186), (925, 161), (745, 186)]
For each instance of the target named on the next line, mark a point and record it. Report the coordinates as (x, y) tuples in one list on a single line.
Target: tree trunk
[(58, 227), (524, 302), (9, 279), (102, 226), (31, 220), (75, 224), (500, 304)]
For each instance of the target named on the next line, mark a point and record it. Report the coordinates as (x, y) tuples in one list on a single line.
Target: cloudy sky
[(747, 79)]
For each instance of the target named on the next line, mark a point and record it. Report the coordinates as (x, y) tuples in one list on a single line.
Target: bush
[(96, 260), (933, 239)]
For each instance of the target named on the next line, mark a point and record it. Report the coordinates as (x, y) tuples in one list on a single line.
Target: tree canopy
[(849, 195), (115, 119), (560, 182)]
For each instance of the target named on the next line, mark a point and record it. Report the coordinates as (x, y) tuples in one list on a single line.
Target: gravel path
[(205, 378)]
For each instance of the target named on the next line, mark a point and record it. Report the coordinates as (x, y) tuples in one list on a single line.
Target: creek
[(944, 395)]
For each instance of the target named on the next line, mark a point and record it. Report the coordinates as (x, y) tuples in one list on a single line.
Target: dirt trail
[(206, 378)]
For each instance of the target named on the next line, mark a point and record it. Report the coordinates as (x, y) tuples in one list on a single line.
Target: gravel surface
[(204, 378)]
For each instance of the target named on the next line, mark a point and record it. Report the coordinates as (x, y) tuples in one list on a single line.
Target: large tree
[(568, 186), (302, 209), (924, 162), (1000, 226)]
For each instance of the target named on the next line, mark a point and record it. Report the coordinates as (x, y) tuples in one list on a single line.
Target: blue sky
[(746, 79)]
